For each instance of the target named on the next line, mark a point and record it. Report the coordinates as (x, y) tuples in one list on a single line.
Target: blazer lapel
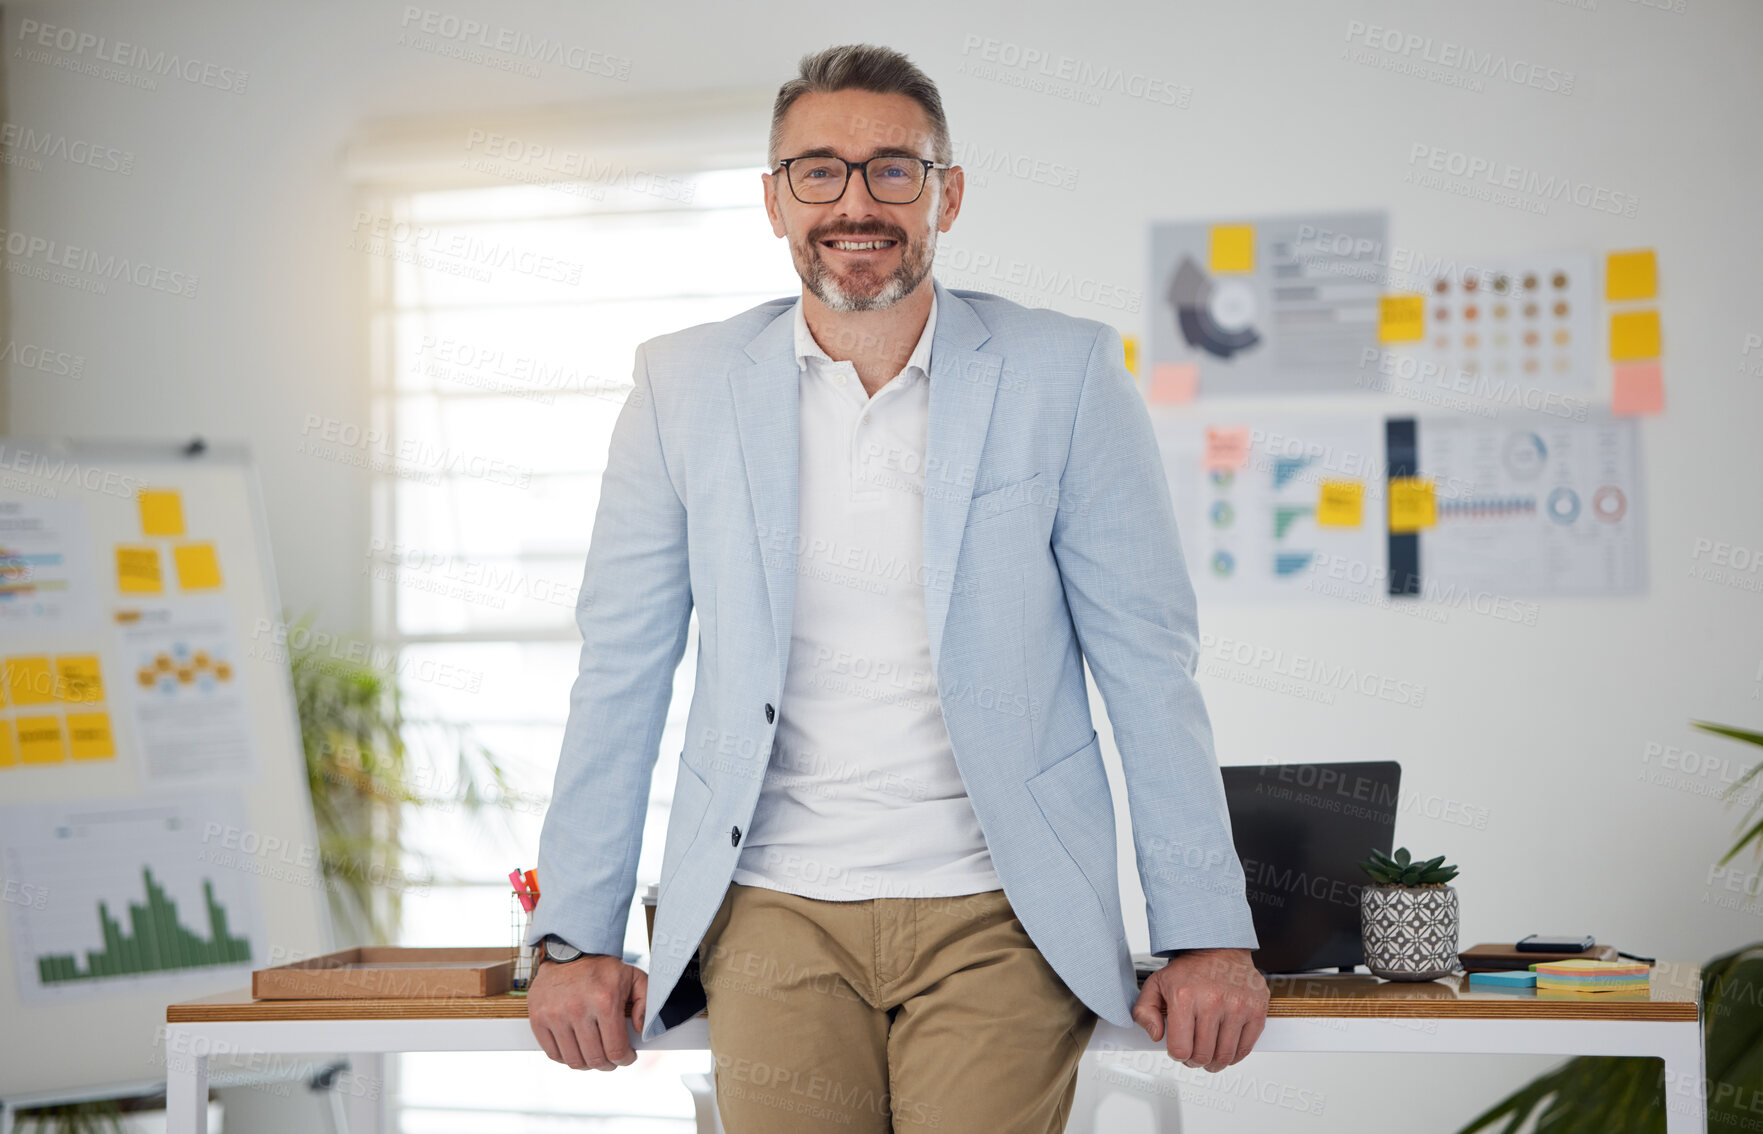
[(963, 384), (767, 414), (765, 392)]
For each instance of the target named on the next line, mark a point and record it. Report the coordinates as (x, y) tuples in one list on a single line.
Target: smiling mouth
[(871, 245)]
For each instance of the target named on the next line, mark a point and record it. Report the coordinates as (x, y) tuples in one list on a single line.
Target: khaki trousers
[(887, 1014)]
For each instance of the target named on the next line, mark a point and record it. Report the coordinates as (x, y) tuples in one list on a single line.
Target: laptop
[(1301, 831)]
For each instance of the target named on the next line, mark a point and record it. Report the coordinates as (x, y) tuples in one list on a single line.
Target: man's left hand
[(1216, 1004)]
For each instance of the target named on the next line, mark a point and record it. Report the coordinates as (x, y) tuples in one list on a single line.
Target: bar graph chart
[(153, 941), (130, 893)]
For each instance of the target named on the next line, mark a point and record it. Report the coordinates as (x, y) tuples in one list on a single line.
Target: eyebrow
[(885, 151)]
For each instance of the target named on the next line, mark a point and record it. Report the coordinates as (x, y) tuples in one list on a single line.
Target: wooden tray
[(385, 972)]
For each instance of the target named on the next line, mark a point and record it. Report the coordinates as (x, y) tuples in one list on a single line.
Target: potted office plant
[(1408, 916)]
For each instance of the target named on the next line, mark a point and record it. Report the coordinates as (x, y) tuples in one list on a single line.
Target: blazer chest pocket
[(1009, 498)]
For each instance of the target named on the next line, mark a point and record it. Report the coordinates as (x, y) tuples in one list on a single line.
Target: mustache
[(858, 232)]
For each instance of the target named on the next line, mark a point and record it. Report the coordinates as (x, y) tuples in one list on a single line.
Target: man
[(906, 516)]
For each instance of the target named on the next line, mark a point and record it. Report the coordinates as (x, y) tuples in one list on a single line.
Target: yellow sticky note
[(1412, 505), (1631, 275), (1341, 505), (198, 567), (39, 740), (89, 736), (137, 570), (77, 679), (1634, 334), (29, 682), (1233, 248), (1132, 354), (162, 511), (1401, 318), (8, 746)]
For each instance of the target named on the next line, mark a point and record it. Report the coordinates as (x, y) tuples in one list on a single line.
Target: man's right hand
[(577, 1010)]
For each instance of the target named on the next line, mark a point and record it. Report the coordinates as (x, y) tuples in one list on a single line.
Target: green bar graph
[(153, 941)]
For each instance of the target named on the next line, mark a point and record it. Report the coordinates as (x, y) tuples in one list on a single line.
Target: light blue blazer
[(1049, 540)]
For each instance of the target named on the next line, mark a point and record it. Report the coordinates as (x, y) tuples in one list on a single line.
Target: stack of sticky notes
[(1513, 979), (1591, 976)]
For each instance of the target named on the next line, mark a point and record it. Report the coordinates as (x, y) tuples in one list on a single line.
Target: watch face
[(560, 951)]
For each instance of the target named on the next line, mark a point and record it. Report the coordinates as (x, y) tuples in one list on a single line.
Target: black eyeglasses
[(822, 180)]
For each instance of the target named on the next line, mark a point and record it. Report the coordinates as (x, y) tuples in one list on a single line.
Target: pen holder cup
[(520, 922)]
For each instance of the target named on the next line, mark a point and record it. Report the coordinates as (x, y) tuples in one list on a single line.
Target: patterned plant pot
[(1410, 931)]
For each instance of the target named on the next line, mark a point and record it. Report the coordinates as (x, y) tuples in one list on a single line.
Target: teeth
[(860, 245)]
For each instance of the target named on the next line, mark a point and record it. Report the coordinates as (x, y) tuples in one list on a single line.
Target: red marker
[(527, 899)]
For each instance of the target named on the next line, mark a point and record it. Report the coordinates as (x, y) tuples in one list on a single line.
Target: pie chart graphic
[(1214, 317)]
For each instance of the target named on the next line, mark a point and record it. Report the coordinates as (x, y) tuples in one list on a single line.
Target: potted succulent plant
[(1408, 917)]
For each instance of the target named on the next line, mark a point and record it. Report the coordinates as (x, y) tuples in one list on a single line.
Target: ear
[(954, 185), (773, 208)]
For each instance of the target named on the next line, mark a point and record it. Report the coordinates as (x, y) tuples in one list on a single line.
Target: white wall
[(1543, 728)]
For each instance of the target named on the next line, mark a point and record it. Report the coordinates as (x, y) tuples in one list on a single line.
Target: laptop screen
[(1301, 830)]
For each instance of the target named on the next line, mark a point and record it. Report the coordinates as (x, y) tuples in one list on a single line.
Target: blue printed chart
[(1526, 508)]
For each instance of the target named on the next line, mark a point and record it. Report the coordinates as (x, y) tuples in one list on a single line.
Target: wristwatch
[(560, 951)]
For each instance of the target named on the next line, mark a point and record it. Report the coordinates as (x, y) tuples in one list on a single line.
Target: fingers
[(1224, 1052), (1180, 1040), (1148, 1012), (639, 1000), (1251, 1033), (1208, 1015)]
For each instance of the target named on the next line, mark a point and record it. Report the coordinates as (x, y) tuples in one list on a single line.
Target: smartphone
[(1556, 943)]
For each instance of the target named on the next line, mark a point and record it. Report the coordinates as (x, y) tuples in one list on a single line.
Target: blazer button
[(734, 837), (770, 714)]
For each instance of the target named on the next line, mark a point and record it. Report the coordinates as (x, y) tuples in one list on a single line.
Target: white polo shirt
[(861, 797)]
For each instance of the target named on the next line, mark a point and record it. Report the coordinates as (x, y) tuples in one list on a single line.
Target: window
[(504, 326)]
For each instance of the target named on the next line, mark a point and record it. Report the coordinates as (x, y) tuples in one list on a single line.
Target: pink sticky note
[(1227, 448), (1639, 389), (1174, 382)]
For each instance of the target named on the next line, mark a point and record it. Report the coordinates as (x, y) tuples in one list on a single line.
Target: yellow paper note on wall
[(1631, 275), (1401, 318), (1130, 346), (77, 679), (1634, 334), (1412, 505), (137, 570), (162, 511), (1233, 248), (29, 682), (198, 568), (89, 736), (8, 746), (39, 740), (1341, 504)]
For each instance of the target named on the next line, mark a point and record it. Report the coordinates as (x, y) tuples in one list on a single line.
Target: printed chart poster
[(181, 664), (1531, 509), (1276, 305), (1507, 331), (46, 581), (118, 897), (1280, 507)]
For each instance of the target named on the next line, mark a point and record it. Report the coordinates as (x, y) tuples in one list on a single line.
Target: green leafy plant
[(1400, 869), (1626, 1095), (364, 771)]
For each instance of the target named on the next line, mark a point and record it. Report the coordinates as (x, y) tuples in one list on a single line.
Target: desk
[(1323, 1013)]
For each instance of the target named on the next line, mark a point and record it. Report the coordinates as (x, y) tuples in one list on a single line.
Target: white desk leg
[(186, 1093), (1686, 1106)]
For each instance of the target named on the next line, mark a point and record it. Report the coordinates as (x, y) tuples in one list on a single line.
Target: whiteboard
[(156, 833)]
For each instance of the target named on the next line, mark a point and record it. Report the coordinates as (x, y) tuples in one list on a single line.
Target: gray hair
[(862, 67)]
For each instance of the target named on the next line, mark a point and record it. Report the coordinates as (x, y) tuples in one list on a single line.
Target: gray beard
[(824, 285)]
